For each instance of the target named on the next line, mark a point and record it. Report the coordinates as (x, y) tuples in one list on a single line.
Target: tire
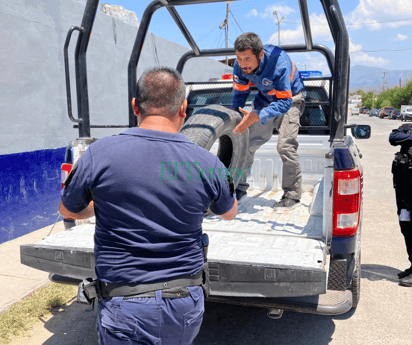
[(356, 281), (215, 122)]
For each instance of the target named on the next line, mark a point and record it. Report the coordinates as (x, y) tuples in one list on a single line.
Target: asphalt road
[(384, 313)]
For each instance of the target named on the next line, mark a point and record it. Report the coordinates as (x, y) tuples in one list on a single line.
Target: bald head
[(160, 90)]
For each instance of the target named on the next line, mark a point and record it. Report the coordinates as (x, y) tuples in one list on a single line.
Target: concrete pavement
[(18, 281)]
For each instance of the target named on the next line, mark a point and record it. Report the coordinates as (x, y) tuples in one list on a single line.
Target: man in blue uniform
[(279, 104), (402, 182), (149, 188)]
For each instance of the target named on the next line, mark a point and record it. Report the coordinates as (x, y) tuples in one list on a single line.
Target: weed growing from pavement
[(23, 315)]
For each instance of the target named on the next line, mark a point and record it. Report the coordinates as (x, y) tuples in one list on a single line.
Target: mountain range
[(371, 78)]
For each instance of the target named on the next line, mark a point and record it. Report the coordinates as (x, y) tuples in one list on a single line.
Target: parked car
[(406, 113), (374, 112), (395, 114), (385, 111), (363, 110)]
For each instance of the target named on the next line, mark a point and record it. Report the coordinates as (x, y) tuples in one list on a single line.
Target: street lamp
[(279, 21)]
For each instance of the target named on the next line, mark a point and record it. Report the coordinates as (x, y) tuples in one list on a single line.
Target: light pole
[(279, 21), (303, 64), (225, 24)]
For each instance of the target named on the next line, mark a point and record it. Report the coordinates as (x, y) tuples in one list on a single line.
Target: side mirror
[(361, 132)]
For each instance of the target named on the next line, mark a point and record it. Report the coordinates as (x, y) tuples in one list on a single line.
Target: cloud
[(401, 37), (361, 58), (268, 12), (252, 13), (319, 27), (373, 12), (354, 47), (282, 10), (365, 59)]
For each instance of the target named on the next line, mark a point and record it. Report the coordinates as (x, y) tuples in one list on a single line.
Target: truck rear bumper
[(331, 303), (63, 262), (241, 280)]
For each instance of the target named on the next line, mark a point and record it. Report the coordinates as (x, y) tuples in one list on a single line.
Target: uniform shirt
[(399, 137), (277, 80), (150, 191)]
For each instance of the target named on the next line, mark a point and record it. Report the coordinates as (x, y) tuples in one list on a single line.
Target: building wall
[(35, 125)]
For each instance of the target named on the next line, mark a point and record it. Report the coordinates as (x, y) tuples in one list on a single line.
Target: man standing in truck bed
[(149, 200), (279, 104)]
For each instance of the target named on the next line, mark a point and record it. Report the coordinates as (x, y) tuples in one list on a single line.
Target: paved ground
[(383, 316), (16, 280)]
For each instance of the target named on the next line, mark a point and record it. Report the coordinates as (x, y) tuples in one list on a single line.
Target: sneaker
[(286, 204), (407, 281), (405, 273), (240, 194)]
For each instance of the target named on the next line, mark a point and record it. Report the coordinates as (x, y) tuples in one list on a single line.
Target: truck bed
[(259, 235), (260, 253)]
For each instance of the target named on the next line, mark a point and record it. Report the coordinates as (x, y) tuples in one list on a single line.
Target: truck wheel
[(215, 122), (356, 280)]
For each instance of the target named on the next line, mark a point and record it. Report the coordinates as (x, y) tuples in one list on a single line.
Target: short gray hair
[(249, 40), (160, 88)]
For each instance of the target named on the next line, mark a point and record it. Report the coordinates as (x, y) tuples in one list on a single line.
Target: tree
[(386, 103), (367, 100)]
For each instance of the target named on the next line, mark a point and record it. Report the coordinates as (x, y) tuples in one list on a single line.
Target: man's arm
[(399, 137), (84, 214), (224, 203), (241, 89), (232, 213), (282, 77), (76, 200)]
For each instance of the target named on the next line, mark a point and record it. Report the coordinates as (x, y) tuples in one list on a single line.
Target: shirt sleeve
[(398, 137), (282, 76), (224, 197), (76, 196), (241, 89)]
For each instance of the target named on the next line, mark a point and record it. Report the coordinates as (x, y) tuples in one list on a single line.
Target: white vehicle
[(406, 112), (355, 111), (306, 260)]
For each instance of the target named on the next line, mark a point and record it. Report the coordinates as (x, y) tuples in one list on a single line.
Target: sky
[(380, 31)]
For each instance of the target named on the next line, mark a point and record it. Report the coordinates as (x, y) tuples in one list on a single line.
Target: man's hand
[(249, 118)]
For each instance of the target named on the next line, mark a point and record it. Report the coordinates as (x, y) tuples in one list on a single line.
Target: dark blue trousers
[(151, 320)]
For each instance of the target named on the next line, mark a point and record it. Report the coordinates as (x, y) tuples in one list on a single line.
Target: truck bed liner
[(258, 235)]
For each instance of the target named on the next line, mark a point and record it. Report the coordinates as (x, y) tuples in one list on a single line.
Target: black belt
[(170, 287), (168, 293)]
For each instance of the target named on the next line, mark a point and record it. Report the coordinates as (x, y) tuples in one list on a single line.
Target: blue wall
[(29, 191)]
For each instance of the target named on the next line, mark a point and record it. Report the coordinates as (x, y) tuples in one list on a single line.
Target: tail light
[(346, 202), (65, 171), (227, 76)]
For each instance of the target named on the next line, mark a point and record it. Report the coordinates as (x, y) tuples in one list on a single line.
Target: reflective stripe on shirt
[(293, 71), (240, 87), (281, 94)]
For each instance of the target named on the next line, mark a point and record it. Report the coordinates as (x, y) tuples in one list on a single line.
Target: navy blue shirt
[(401, 137), (150, 191)]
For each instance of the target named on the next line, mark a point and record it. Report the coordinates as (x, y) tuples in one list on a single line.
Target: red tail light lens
[(346, 202), (227, 76), (65, 171)]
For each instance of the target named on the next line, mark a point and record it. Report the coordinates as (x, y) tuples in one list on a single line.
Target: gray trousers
[(287, 126)]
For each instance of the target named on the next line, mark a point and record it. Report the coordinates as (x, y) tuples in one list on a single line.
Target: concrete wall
[(35, 125)]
